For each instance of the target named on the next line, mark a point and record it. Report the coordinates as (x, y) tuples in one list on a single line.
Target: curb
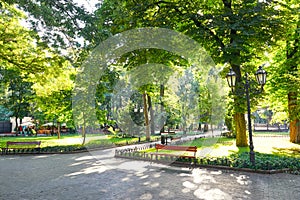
[(56, 152)]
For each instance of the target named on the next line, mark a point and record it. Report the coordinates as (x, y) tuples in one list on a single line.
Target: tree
[(234, 32), (57, 107), (5, 113), (19, 96), (103, 96), (187, 94), (54, 92), (293, 64), (60, 23), (19, 47), (284, 81), (30, 67)]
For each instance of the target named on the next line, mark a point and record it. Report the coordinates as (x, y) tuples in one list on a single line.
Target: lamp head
[(231, 78), (261, 76)]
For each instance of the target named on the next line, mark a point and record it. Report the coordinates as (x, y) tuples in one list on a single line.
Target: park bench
[(225, 133), (175, 138), (175, 148), (21, 145), (168, 133)]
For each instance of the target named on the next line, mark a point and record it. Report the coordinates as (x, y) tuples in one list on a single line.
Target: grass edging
[(197, 165)]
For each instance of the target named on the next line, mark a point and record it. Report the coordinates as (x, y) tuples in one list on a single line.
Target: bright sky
[(88, 4)]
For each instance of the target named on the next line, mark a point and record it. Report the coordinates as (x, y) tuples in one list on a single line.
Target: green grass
[(218, 147), (75, 139), (271, 134), (46, 140), (271, 153), (280, 146)]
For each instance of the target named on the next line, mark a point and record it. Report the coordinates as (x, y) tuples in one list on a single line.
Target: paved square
[(98, 175)]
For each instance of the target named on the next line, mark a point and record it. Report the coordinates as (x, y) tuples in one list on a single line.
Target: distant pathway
[(98, 175)]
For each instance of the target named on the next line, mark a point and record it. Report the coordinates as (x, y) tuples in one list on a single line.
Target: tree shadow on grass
[(241, 150), (290, 152)]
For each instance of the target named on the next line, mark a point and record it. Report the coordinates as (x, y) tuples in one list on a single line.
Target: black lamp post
[(261, 76)]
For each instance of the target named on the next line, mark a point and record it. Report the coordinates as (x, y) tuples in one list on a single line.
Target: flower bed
[(265, 163)]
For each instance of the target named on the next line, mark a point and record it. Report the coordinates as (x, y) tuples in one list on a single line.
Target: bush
[(264, 161), (53, 149)]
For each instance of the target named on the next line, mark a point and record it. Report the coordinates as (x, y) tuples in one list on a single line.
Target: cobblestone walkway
[(97, 175)]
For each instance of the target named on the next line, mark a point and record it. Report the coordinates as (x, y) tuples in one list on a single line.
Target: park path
[(98, 175)]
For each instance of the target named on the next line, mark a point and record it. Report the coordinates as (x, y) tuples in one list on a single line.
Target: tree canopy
[(39, 60), (234, 32)]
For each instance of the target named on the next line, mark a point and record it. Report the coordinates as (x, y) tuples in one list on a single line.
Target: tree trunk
[(240, 127), (83, 130), (295, 123), (146, 117), (83, 134), (199, 126), (295, 131), (58, 130), (162, 91), (152, 123), (291, 53), (17, 126)]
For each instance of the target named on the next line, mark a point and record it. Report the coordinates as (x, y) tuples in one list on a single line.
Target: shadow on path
[(98, 175)]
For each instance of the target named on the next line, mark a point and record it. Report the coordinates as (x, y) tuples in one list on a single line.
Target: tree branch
[(194, 18), (210, 32)]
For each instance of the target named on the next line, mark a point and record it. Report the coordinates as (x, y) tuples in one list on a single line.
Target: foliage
[(60, 23), (19, 95), (103, 97), (21, 48), (4, 113), (234, 32), (262, 162), (34, 74), (284, 71), (56, 106)]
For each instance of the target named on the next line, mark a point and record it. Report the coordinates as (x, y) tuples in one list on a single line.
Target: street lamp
[(261, 77)]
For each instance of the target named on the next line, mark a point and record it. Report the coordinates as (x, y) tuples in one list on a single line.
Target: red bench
[(176, 148)]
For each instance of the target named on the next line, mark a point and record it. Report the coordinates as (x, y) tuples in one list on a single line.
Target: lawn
[(221, 146), (263, 133), (266, 145), (271, 153), (75, 139), (46, 140), (214, 147)]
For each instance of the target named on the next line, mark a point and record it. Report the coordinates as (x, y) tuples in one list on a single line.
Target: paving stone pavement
[(98, 175)]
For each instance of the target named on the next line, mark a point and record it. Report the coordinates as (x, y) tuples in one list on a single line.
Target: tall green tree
[(284, 82), (57, 107), (59, 23), (30, 66), (19, 96), (234, 32), (22, 50), (19, 47)]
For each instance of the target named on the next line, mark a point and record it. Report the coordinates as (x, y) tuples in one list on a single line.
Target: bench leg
[(4, 151)]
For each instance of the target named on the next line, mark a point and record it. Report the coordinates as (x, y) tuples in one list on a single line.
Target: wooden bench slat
[(174, 155), (23, 143), (28, 144), (176, 148)]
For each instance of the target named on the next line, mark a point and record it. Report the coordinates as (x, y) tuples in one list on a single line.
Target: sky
[(88, 4)]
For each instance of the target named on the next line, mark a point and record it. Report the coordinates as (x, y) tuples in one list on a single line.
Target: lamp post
[(261, 76)]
